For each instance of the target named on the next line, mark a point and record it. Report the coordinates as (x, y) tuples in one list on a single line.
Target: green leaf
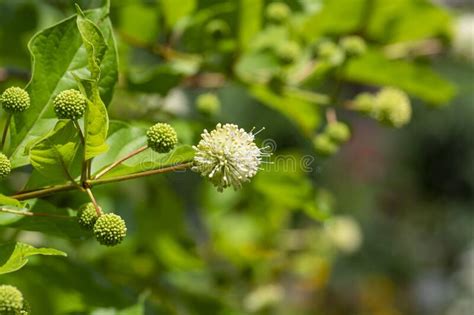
[(304, 114), (407, 20), (137, 309), (54, 155), (96, 123), (174, 11), (7, 201), (257, 66), (140, 21), (56, 52), (94, 42), (250, 20), (335, 17), (123, 138), (96, 119), (61, 222), (14, 256), (418, 80), (163, 77)]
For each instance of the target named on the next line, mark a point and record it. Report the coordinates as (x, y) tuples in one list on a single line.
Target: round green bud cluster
[(208, 103), (110, 229), (334, 135), (364, 102), (69, 104), (392, 106), (15, 100), (353, 45), (338, 132), (277, 12), (288, 52), (323, 145), (11, 301), (162, 138), (5, 166), (331, 53), (218, 28), (87, 216)]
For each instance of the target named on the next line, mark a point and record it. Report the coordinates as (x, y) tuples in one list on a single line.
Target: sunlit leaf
[(14, 256)]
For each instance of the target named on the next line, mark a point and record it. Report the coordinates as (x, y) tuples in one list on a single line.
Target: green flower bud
[(353, 45), (5, 166), (87, 216), (277, 12), (208, 103), (288, 52), (364, 102), (70, 104), (15, 100), (11, 301), (338, 132), (392, 106), (110, 229), (218, 28), (331, 53), (324, 145), (162, 138)]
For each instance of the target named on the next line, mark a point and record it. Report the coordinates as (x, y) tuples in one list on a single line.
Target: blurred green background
[(383, 227)]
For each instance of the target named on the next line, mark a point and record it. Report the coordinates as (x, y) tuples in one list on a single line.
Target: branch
[(34, 214), (43, 192), (141, 174)]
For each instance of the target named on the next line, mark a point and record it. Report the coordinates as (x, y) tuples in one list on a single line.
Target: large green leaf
[(407, 20), (418, 80), (140, 21), (93, 41), (54, 155), (7, 201), (56, 53), (13, 256), (96, 122)]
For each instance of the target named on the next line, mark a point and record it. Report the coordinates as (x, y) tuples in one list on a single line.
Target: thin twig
[(141, 174), (25, 195), (47, 191), (5, 131), (120, 161), (331, 116), (34, 214)]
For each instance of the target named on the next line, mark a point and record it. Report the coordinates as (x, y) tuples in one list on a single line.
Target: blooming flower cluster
[(228, 156)]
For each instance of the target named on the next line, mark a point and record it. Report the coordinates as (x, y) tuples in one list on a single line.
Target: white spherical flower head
[(228, 156)]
